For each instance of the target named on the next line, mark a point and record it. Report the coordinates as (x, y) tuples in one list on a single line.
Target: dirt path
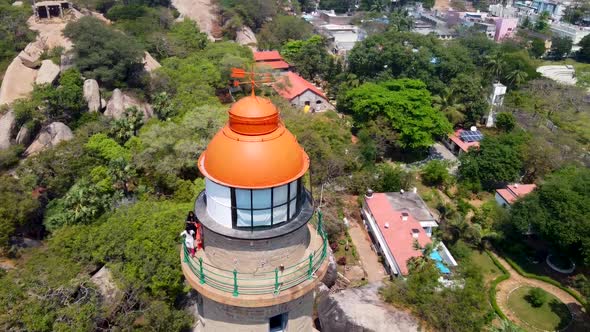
[(368, 258), (581, 321), (200, 11)]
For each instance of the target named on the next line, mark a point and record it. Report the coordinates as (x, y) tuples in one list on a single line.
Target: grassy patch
[(483, 261), (552, 315)]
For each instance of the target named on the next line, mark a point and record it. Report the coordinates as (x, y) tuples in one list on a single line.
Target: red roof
[(278, 64), (515, 191), (456, 137), (398, 233), (294, 85), (267, 56)]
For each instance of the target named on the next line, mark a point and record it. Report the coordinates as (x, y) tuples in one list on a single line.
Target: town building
[(330, 17), (262, 258), (462, 140), (507, 196), (505, 28), (397, 223), (573, 32), (271, 60), (496, 100), (50, 9), (302, 93)]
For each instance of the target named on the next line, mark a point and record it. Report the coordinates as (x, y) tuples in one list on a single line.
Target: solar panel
[(469, 136)]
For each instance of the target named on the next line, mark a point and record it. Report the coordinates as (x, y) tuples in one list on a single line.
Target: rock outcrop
[(109, 291), (17, 83), (66, 62), (149, 63), (245, 36), (361, 310), (92, 95), (32, 53), (7, 122), (332, 272), (119, 102), (49, 137), (48, 72), (24, 136)]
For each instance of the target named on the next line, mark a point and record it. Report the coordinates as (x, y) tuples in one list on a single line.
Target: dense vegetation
[(14, 32)]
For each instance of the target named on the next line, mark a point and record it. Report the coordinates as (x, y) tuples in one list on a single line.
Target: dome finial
[(252, 76)]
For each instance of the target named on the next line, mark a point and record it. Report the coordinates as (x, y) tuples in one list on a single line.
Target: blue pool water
[(439, 263)]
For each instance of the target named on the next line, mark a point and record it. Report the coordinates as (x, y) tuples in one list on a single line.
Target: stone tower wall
[(214, 316)]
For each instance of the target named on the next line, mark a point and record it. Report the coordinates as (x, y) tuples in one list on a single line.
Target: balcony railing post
[(236, 293), (319, 222), (201, 274), (310, 271), (276, 280)]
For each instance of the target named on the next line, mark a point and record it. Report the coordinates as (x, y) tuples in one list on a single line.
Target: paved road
[(369, 259), (581, 320)]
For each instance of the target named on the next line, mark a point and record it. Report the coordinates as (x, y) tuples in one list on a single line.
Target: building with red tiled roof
[(271, 59), (507, 196), (394, 230), (300, 93), (457, 143)]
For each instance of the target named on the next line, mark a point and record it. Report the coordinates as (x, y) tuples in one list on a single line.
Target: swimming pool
[(435, 255)]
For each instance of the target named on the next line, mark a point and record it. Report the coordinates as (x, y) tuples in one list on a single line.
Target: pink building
[(505, 28)]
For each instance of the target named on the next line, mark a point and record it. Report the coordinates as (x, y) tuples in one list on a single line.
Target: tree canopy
[(559, 211), (281, 29), (405, 103)]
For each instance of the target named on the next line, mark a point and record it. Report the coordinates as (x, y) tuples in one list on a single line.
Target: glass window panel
[(261, 218), (280, 195), (242, 198), (261, 198), (292, 208), (279, 214), (244, 218), (293, 189)]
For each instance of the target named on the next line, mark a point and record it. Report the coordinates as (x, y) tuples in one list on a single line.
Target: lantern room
[(253, 169)]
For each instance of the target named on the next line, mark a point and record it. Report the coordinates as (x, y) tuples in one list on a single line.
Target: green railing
[(269, 282)]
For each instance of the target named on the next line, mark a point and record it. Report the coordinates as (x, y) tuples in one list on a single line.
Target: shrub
[(435, 173), (536, 297), (505, 121)]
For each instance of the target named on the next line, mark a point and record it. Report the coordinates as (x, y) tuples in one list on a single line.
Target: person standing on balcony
[(191, 222), (189, 240)]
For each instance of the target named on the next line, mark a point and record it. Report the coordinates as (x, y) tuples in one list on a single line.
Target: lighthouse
[(264, 250)]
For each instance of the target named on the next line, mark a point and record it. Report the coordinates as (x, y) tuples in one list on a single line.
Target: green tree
[(252, 13), (498, 160), (103, 53), (128, 125), (536, 297), (542, 23), (400, 20), (339, 6), (584, 52), (309, 56), (185, 38), (405, 103), (560, 47), (14, 31), (537, 48), (17, 206), (435, 173), (282, 29), (559, 211), (505, 121)]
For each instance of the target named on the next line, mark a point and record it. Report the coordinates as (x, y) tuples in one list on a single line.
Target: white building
[(496, 99)]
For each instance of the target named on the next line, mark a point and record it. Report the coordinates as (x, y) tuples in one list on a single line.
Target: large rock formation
[(48, 72), (119, 102), (32, 53), (24, 136), (332, 272), (245, 36), (109, 291), (17, 83), (149, 63), (49, 137), (92, 95), (361, 310), (7, 122)]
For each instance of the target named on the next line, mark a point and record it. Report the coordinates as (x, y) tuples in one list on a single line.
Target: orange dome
[(254, 150)]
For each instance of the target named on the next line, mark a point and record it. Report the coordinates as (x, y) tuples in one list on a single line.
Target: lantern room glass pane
[(243, 198), (293, 189), (261, 199), (292, 208), (280, 195), (261, 218), (279, 214), (244, 218)]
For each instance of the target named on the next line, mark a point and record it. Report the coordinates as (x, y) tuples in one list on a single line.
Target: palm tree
[(495, 65), (517, 77), (401, 20), (447, 103)]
